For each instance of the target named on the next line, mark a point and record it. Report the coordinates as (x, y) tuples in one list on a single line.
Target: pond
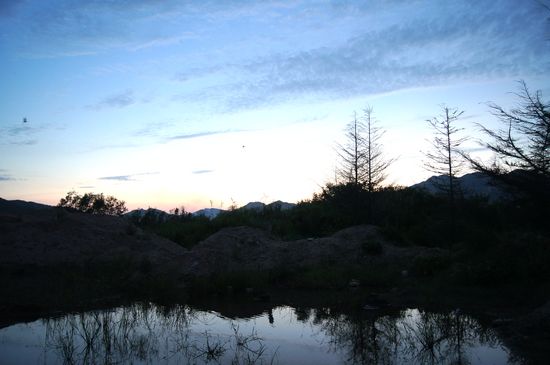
[(146, 333)]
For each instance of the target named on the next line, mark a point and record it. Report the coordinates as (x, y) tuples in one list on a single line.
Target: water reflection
[(148, 334), (411, 337)]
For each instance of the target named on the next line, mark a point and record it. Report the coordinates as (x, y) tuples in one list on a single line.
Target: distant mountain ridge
[(470, 185), (210, 213)]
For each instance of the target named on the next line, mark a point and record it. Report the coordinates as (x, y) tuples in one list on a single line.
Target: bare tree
[(522, 143), (444, 157), (376, 163), (352, 153), (362, 162)]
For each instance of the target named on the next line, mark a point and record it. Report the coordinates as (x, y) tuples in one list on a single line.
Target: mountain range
[(210, 213), (476, 184)]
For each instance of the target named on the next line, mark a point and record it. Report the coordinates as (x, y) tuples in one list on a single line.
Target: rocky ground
[(44, 236), (41, 236)]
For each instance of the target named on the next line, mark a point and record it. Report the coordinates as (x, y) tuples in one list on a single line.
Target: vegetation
[(362, 161), (444, 158), (492, 243), (93, 203), (522, 150)]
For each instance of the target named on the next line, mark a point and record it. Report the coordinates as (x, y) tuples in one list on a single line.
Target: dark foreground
[(54, 262)]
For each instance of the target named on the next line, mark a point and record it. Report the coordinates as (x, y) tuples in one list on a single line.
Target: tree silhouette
[(352, 153), (362, 162), (93, 203), (521, 144), (444, 157)]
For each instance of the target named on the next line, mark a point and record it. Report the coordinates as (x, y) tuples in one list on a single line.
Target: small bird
[(24, 120)]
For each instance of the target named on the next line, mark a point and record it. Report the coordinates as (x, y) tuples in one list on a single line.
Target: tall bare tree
[(523, 143), (376, 162), (444, 157), (362, 162), (352, 153)]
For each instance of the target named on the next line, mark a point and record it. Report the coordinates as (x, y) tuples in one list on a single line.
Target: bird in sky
[(24, 120)]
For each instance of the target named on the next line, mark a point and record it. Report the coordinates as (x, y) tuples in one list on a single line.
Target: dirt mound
[(46, 236), (241, 249)]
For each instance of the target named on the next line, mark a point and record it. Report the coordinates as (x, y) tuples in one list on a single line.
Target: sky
[(213, 103)]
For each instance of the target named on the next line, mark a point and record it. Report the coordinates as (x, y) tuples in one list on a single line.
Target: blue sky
[(199, 103)]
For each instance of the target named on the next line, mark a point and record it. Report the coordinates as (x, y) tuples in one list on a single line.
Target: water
[(152, 334)]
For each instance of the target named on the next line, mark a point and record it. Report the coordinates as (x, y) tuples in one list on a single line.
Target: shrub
[(93, 203)]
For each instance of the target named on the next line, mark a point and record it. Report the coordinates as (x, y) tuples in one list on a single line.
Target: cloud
[(416, 54), (67, 28), (119, 178), (199, 135), (86, 187), (119, 100), (131, 177), (152, 129), (4, 176), (21, 134), (428, 45), (28, 142), (200, 172)]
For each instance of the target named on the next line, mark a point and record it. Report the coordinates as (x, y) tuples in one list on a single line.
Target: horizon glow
[(152, 102)]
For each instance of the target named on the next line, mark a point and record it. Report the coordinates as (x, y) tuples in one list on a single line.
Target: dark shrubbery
[(93, 203)]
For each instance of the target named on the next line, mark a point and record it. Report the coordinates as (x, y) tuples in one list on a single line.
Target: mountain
[(276, 205), (471, 185), (281, 205), (257, 206), (20, 205), (151, 213), (209, 213)]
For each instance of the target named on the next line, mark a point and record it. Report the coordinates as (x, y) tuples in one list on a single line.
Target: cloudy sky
[(199, 103)]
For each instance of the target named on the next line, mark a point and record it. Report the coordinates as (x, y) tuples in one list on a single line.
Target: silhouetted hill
[(41, 235), (14, 206), (153, 213), (281, 205), (470, 185), (259, 206), (209, 213)]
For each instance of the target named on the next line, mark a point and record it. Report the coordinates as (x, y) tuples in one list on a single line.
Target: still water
[(145, 333)]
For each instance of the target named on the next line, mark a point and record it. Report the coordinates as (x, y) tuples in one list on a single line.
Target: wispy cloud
[(152, 129), (130, 177), (119, 178), (119, 100), (429, 45), (4, 176), (200, 172), (199, 135), (25, 134), (67, 28), (27, 142)]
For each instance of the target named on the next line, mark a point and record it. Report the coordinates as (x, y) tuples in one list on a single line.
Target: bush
[(93, 203)]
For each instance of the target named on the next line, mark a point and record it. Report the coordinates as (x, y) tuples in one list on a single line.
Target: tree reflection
[(148, 334), (407, 337)]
